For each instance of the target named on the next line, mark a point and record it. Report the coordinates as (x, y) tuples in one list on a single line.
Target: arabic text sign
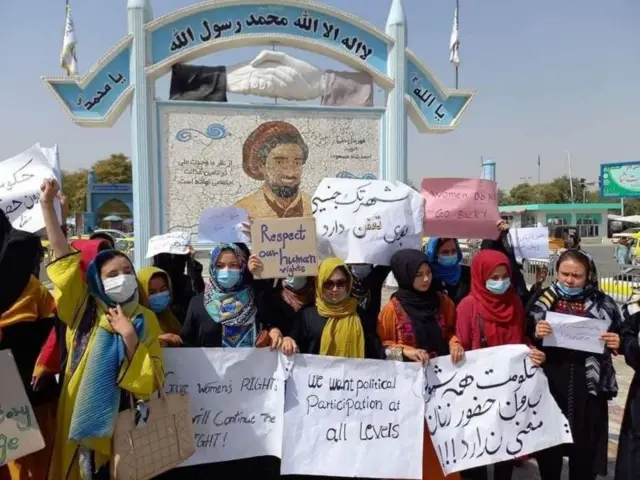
[(496, 406), (223, 225), (172, 242), (237, 400), (19, 431), (353, 418), (530, 243), (576, 333), (366, 221), (620, 180), (460, 208), (286, 246)]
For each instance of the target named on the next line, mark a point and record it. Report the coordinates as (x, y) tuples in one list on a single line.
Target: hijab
[(96, 287), (89, 249), (167, 320), (502, 315), (422, 308), (298, 299), (342, 335), (448, 274)]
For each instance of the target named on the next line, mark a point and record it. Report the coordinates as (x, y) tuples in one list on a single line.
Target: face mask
[(121, 288), (447, 260), (498, 286), (336, 300), (361, 271), (158, 302), (227, 277), (570, 291), (296, 283)]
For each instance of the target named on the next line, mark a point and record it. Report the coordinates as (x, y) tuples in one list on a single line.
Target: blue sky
[(551, 76)]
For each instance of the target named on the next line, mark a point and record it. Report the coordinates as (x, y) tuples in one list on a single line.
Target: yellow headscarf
[(342, 336), (167, 320)]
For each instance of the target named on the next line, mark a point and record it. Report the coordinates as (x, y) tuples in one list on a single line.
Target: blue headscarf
[(94, 282), (448, 274)]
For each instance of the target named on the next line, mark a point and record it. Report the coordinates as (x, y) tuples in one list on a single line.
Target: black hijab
[(422, 308)]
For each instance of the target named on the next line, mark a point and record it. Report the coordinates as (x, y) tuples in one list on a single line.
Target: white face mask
[(120, 288)]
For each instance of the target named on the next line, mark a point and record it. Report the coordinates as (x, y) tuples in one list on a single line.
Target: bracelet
[(394, 353)]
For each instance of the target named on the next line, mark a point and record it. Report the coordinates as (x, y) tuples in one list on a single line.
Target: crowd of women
[(66, 345)]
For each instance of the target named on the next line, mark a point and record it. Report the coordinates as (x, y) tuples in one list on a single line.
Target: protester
[(368, 282), (622, 252), (445, 257), (581, 382), (103, 317), (492, 315), (26, 318), (282, 299), (104, 236), (156, 294), (416, 324)]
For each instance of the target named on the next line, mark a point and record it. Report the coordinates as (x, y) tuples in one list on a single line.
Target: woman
[(113, 350), (281, 300), (445, 257), (416, 324), (26, 318), (335, 325), (157, 295), (622, 252), (581, 382), (492, 315)]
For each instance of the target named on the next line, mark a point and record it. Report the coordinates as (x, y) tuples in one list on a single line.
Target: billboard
[(620, 180)]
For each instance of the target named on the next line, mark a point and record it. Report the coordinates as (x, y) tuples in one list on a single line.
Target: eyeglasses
[(330, 284)]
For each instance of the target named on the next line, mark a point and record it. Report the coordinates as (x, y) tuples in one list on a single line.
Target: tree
[(522, 194), (74, 186), (115, 169)]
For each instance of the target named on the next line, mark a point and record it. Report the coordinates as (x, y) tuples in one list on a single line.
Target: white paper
[(20, 180), (494, 406), (237, 400), (576, 333), (172, 242), (366, 221), (223, 225), (335, 426), (530, 243)]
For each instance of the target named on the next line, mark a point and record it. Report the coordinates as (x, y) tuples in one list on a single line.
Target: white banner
[(496, 406), (530, 243), (353, 418), (172, 242), (576, 333), (237, 400), (366, 221)]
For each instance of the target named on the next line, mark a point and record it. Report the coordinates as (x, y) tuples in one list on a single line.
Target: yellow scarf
[(34, 303), (342, 335), (167, 320)]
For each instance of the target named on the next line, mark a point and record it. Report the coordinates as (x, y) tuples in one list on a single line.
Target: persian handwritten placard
[(176, 243), (353, 418), (576, 333), (223, 225), (366, 221), (460, 208), (495, 406), (236, 397), (530, 243), (286, 247), (19, 431)]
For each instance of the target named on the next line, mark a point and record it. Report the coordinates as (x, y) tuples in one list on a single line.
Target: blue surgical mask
[(447, 260), (296, 283), (570, 291), (361, 271), (158, 302), (227, 277), (498, 286)]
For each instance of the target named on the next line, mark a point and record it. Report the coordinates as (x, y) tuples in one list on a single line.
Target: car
[(620, 287), (123, 241)]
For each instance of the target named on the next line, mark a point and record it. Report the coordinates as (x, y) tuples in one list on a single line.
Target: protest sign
[(286, 247), (223, 225), (19, 431), (576, 333), (530, 243), (353, 418), (172, 242), (460, 208), (495, 406), (366, 221), (236, 397), (20, 180)]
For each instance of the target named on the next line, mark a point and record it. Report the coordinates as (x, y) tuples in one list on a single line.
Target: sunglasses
[(330, 284)]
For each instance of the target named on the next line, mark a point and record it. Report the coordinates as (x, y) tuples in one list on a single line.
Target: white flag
[(454, 42), (68, 59)]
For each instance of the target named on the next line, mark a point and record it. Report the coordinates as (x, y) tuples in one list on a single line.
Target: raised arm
[(48, 192)]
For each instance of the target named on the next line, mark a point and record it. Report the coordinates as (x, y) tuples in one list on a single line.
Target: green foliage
[(556, 191)]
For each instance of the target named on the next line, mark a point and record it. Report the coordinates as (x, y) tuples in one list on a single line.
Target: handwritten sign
[(223, 225), (353, 418), (19, 431), (172, 242), (460, 208), (495, 407), (366, 221), (237, 400), (530, 243), (576, 333), (286, 247), (20, 180)]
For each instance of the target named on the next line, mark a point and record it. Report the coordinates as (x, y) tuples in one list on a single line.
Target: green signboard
[(620, 180)]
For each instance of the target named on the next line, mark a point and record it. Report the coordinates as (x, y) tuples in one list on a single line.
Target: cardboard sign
[(19, 431), (286, 246), (460, 208)]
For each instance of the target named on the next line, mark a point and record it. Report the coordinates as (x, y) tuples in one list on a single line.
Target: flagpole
[(538, 169), (458, 21)]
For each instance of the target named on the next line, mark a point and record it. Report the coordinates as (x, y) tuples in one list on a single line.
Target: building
[(589, 218)]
